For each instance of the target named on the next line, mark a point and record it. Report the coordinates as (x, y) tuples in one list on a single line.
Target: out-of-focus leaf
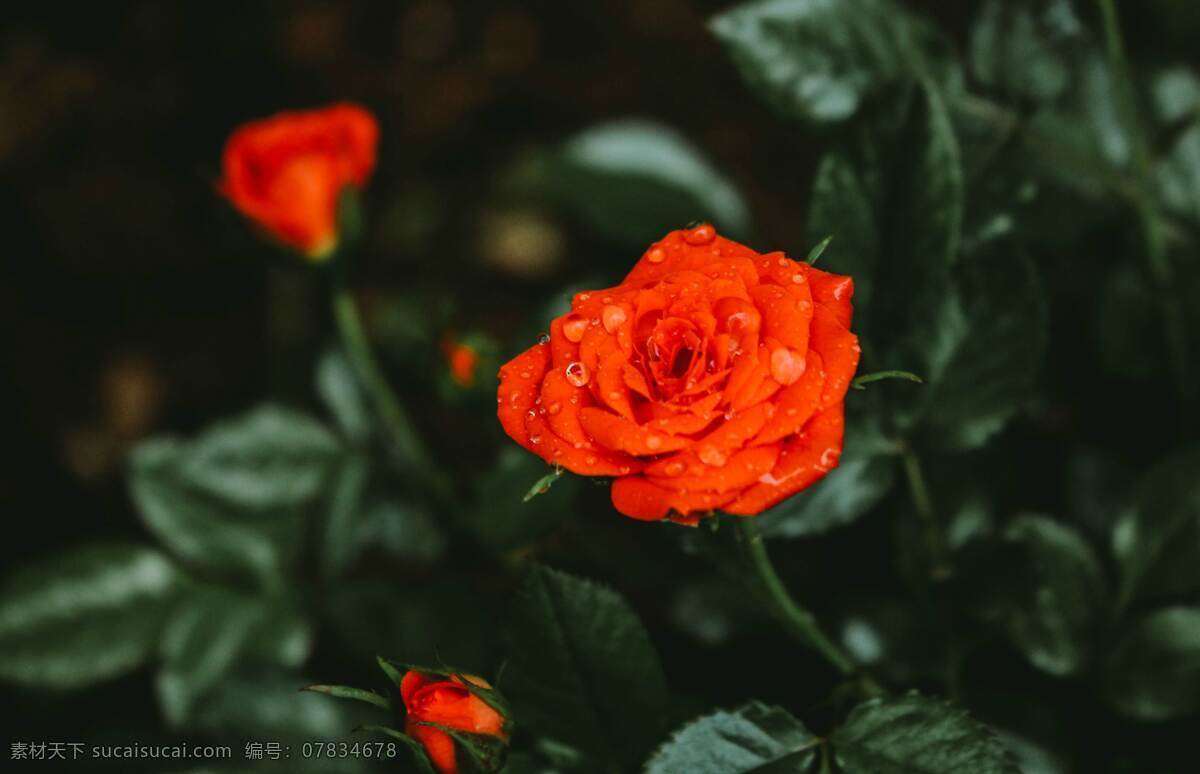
[(863, 476), (426, 623), (1157, 541), (270, 457), (581, 669), (501, 518), (211, 630), (1153, 672), (892, 196), (751, 738), (1099, 490), (1178, 176), (84, 616), (991, 372), (338, 388), (816, 61), (350, 692), (903, 734), (1043, 586), (635, 180), (1022, 48), (1175, 94), (268, 705)]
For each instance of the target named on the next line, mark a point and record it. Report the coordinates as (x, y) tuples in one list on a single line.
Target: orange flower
[(286, 172), (462, 359), (447, 702), (711, 377)]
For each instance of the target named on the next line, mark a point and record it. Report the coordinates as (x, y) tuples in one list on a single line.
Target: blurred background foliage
[(202, 514)]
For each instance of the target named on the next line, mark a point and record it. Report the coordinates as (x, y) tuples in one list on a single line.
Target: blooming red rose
[(447, 702), (712, 377), (286, 172)]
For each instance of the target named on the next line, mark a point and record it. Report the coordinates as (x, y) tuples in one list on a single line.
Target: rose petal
[(519, 380), (586, 460), (839, 350), (804, 460), (834, 291), (785, 317), (621, 435), (638, 498), (740, 471), (795, 404)]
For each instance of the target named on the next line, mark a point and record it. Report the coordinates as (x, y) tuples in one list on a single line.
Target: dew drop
[(711, 455), (574, 328), (614, 317), (535, 439), (798, 278), (786, 366), (653, 442), (783, 261), (675, 468), (544, 338), (577, 373), (554, 408), (656, 255), (700, 235), (526, 375), (828, 458), (624, 470), (590, 460)]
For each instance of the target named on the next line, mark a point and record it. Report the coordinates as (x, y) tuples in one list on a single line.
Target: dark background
[(133, 301)]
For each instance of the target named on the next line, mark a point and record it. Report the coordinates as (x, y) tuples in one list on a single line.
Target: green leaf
[(418, 750), (1153, 672), (212, 630), (1044, 587), (270, 457), (1021, 49), (815, 254), (878, 376), (542, 485), (751, 738), (634, 180), (338, 388), (912, 733), (347, 692), (582, 671), (891, 193), (1175, 94), (1178, 176), (341, 542), (863, 476), (990, 373), (84, 616), (1157, 541), (501, 518), (816, 61)]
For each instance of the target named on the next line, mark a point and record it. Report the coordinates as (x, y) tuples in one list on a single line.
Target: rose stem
[(797, 620), (358, 350)]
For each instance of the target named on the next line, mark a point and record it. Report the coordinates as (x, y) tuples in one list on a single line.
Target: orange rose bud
[(286, 172), (462, 359), (711, 378), (447, 702)]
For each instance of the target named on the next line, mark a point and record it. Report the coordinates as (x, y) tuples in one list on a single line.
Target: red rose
[(462, 359), (447, 702), (286, 172), (711, 377)]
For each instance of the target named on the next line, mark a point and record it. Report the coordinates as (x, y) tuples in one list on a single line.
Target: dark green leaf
[(418, 750), (878, 376), (341, 541), (1178, 176), (1153, 672), (1021, 49), (816, 61), (752, 738), (1157, 541), (84, 616), (907, 734), (815, 254), (892, 196), (211, 630), (1044, 587), (990, 372), (863, 476), (542, 485), (1175, 93), (636, 180), (500, 518), (347, 692), (581, 669), (338, 388)]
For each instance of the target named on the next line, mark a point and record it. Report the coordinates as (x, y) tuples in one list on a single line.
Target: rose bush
[(446, 702), (285, 172), (711, 377)]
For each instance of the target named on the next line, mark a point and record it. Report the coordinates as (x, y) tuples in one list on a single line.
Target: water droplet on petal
[(656, 255), (526, 375), (544, 338), (786, 366), (624, 470), (675, 468), (535, 439), (700, 235), (577, 373), (711, 455), (554, 408), (574, 328), (653, 442), (828, 458), (798, 278), (783, 261), (614, 317), (590, 460)]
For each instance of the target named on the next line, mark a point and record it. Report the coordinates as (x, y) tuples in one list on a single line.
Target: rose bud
[(285, 173), (711, 378), (447, 702), (462, 359)]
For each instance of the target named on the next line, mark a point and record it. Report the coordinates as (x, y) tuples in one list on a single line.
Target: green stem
[(1149, 219), (357, 346), (800, 622)]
